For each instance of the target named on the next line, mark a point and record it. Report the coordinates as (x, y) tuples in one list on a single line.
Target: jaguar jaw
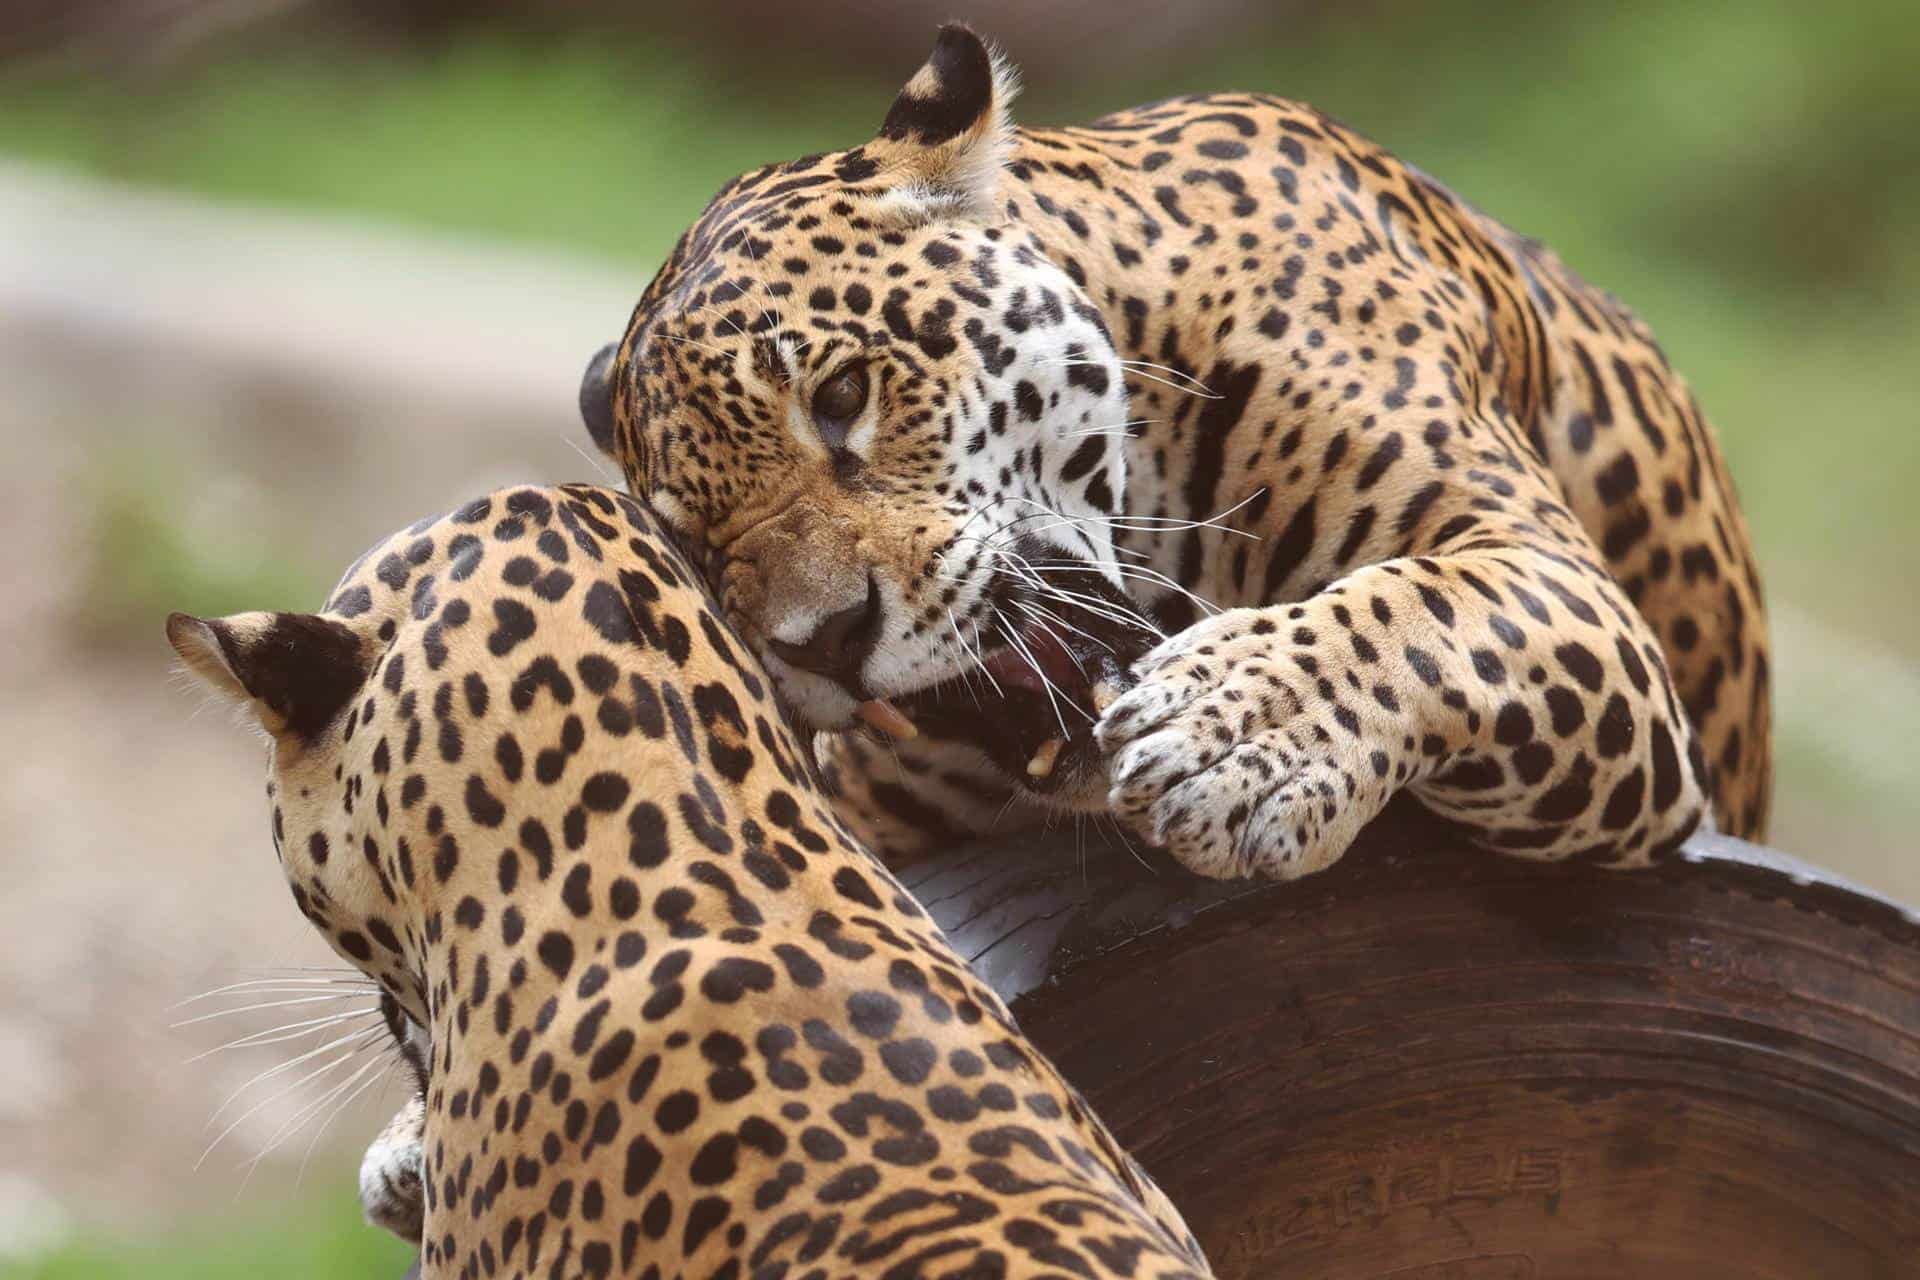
[(1031, 703)]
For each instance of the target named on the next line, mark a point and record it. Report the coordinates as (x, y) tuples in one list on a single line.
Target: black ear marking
[(300, 667), (596, 397), (947, 96)]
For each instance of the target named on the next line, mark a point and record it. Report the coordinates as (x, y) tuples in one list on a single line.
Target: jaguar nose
[(839, 646)]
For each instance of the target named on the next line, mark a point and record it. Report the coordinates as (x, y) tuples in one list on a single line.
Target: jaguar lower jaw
[(882, 716)]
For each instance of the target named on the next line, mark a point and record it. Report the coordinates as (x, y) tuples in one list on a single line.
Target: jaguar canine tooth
[(1041, 766), (887, 718), (1103, 693)]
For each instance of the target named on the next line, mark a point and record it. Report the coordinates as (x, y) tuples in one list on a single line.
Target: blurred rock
[(275, 381)]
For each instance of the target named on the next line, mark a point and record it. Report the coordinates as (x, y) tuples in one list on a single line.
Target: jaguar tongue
[(1040, 660), (888, 719)]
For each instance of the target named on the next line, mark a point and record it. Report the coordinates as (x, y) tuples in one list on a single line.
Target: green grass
[(315, 1238)]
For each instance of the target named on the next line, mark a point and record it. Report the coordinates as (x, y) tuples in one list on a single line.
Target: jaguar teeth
[(888, 719), (1041, 766), (1103, 693)]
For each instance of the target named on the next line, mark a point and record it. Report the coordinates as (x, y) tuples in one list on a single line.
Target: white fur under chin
[(390, 1192), (813, 701)]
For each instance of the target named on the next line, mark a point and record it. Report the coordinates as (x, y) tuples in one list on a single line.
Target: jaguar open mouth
[(1032, 701)]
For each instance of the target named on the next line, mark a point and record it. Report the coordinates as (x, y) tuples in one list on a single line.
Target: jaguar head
[(889, 425)]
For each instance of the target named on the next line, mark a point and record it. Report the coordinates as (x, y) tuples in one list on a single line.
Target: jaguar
[(668, 1016), (1204, 467)]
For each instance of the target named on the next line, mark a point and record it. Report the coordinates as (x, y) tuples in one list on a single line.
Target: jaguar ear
[(295, 671), (949, 134), (596, 397)]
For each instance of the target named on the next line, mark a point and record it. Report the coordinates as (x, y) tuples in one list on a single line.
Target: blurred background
[(278, 276)]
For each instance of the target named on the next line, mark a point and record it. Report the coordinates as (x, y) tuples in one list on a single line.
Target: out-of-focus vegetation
[(318, 1237), (1747, 176), (152, 550)]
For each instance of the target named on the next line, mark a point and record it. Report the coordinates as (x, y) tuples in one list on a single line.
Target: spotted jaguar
[(1204, 466), (670, 1017)]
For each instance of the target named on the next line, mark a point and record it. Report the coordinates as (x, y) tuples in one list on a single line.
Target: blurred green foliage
[(1745, 175), (150, 555), (319, 1236)]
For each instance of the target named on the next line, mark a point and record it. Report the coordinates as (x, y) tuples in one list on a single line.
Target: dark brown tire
[(1431, 1063)]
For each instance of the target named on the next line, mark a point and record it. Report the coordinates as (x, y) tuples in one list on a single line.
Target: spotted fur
[(673, 1019), (1472, 534)]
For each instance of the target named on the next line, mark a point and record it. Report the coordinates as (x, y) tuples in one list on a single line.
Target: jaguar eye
[(841, 397)]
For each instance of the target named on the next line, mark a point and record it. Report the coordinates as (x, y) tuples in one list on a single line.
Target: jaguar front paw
[(1236, 755)]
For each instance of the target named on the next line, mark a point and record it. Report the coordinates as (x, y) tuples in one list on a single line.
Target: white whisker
[(268, 1004), (290, 1063), (719, 352), (591, 461), (1168, 369), (307, 1110), (1121, 831), (1138, 368), (1138, 573), (1027, 573), (1046, 627), (1158, 524), (280, 1034), (979, 657), (1013, 637), (292, 984), (1033, 610), (1118, 429), (340, 1109), (315, 1074)]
